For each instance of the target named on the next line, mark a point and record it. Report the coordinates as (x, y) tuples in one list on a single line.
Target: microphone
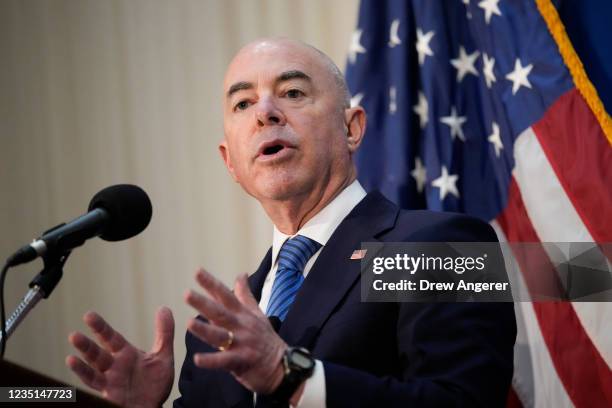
[(115, 213)]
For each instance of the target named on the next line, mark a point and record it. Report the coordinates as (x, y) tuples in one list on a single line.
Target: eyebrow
[(293, 74), (239, 86), (285, 76)]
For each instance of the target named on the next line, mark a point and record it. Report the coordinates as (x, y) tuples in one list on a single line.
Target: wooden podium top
[(14, 375)]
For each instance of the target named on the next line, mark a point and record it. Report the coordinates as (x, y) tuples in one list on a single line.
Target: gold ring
[(228, 343)]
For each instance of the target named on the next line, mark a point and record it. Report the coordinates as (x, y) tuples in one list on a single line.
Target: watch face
[(301, 359)]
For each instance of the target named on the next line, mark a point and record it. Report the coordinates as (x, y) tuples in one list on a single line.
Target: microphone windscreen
[(129, 208)]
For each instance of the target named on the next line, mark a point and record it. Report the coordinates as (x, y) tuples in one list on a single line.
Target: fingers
[(212, 335), (214, 361), (213, 311), (244, 295), (164, 331), (93, 354), (217, 289), (111, 339), (88, 375)]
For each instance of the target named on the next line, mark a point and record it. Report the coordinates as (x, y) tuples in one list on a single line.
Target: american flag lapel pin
[(359, 254)]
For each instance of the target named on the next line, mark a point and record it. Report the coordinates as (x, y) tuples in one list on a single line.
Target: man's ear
[(355, 122), (224, 151)]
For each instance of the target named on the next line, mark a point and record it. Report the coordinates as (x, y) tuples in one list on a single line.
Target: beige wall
[(100, 92)]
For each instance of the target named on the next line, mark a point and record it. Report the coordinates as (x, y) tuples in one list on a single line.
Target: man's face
[(285, 132)]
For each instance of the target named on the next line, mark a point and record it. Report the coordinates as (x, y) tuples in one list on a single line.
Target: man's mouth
[(273, 149)]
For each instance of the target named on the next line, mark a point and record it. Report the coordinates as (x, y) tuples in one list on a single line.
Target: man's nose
[(268, 114)]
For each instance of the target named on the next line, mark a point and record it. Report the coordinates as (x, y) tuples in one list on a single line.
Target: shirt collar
[(321, 227)]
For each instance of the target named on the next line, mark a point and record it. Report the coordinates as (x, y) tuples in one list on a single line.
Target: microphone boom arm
[(40, 288)]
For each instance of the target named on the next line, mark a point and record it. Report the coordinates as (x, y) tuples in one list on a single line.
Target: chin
[(282, 190)]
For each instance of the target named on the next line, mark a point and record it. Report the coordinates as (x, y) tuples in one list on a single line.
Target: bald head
[(315, 56), (290, 133)]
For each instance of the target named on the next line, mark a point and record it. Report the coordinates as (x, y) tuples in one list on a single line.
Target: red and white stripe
[(561, 191)]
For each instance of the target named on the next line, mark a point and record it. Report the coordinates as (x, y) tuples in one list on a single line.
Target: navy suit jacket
[(381, 354)]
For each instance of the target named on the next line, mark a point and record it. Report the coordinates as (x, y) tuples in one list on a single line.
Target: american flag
[(483, 107)]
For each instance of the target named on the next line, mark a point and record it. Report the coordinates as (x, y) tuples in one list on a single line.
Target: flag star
[(465, 63), (420, 174), (455, 123), (422, 45), (355, 47), (392, 100), (495, 139), (422, 110), (393, 34), (487, 69), (490, 7), (467, 8), (447, 183), (356, 99), (519, 76)]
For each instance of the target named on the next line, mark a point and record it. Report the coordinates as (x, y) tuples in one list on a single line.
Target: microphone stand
[(40, 288)]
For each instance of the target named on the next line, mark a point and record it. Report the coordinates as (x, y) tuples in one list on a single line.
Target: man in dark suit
[(296, 332)]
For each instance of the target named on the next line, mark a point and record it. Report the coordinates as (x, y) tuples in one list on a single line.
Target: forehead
[(268, 60)]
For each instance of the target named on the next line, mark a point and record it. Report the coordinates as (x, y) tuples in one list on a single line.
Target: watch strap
[(292, 379)]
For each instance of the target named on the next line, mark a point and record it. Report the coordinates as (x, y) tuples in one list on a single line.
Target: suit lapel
[(334, 273), (257, 279)]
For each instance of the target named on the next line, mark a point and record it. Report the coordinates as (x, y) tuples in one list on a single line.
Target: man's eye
[(294, 93), (242, 105)]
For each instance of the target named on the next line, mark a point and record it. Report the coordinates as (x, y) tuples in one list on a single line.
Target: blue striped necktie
[(292, 258)]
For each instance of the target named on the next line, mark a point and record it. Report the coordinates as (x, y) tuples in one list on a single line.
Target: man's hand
[(124, 374), (254, 356)]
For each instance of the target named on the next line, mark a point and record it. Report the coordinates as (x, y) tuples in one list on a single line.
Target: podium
[(14, 375)]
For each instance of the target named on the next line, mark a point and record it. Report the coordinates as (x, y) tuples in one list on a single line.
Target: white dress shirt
[(319, 228)]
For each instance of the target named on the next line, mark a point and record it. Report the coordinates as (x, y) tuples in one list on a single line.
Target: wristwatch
[(298, 365)]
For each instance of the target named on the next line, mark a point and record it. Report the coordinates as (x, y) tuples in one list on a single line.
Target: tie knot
[(296, 251)]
